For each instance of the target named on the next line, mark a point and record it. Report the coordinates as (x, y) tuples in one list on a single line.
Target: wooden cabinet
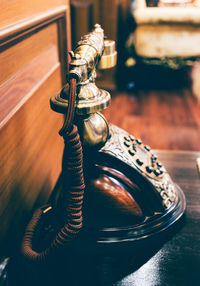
[(35, 38)]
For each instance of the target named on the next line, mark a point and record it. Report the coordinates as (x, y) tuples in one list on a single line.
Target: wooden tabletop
[(176, 262)]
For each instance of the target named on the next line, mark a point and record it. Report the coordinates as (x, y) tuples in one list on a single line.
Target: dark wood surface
[(163, 119), (174, 260)]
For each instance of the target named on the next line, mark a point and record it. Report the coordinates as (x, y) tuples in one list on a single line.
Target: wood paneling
[(31, 154), (19, 10), (25, 82), (34, 44), (14, 58)]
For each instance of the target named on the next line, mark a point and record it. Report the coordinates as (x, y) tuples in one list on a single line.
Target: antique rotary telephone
[(110, 180)]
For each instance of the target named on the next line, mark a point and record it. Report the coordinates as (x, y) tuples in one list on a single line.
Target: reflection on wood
[(35, 40), (25, 82), (31, 153), (14, 58), (163, 119)]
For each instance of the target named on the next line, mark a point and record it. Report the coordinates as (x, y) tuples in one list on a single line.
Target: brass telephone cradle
[(110, 179)]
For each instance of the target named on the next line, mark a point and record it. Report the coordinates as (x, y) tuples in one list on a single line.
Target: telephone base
[(124, 203), (122, 239), (114, 240)]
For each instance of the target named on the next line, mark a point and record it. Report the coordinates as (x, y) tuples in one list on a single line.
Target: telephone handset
[(111, 181)]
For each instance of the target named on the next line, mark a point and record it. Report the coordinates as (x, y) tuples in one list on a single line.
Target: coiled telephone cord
[(72, 169)]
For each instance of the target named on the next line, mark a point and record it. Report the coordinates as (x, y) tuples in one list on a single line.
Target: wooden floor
[(168, 120)]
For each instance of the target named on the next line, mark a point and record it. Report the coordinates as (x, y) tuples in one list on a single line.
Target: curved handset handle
[(91, 50)]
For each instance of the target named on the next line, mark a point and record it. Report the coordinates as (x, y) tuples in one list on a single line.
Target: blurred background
[(156, 85)]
